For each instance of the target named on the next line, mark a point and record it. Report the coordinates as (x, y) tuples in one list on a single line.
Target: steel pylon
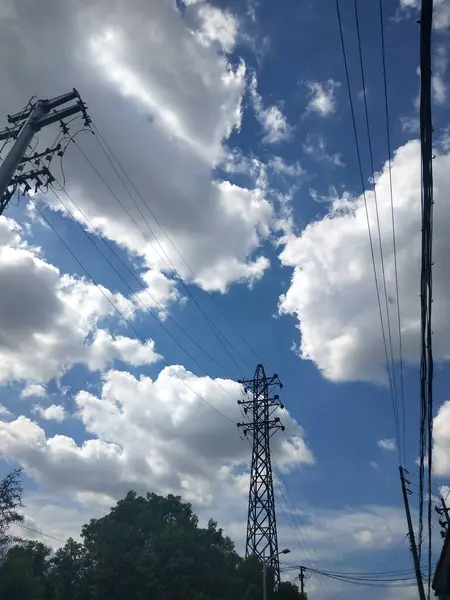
[(259, 406)]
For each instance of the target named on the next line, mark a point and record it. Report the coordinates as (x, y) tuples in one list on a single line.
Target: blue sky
[(233, 121)]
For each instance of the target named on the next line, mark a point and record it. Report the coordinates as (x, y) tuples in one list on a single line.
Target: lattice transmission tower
[(259, 407)]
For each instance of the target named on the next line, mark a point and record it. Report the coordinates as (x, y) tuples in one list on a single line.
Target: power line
[(52, 537), (394, 242), (166, 258), (298, 524), (144, 288), (120, 313), (383, 271), (358, 152), (172, 243)]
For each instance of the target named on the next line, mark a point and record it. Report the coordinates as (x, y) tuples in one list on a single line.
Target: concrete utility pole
[(412, 539), (443, 511), (302, 580), (25, 124), (285, 551)]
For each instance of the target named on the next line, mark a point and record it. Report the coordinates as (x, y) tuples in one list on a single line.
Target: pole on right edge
[(412, 539)]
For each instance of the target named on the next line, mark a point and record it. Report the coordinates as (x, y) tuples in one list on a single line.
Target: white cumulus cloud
[(387, 444), (166, 97), (149, 435), (322, 97), (332, 290), (54, 412), (50, 321), (274, 123)]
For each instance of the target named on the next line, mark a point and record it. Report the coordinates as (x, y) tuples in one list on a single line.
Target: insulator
[(281, 386), (282, 406), (276, 397)]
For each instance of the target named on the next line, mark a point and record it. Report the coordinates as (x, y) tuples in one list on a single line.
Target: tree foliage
[(10, 502), (145, 547)]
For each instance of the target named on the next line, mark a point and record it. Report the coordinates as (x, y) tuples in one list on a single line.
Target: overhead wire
[(139, 282), (174, 246), (124, 318), (358, 153), (171, 269), (394, 241), (47, 535), (140, 299), (380, 241), (298, 526)]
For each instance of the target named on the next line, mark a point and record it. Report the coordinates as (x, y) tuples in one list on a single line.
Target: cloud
[(33, 390), (438, 85), (50, 321), (315, 146), (441, 441), (279, 166), (332, 290), (167, 98), (217, 26), (274, 123), (387, 444), (4, 412), (441, 12), (148, 434), (410, 124), (322, 97), (55, 412)]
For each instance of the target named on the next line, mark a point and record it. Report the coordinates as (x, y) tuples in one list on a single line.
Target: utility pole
[(412, 540), (302, 581), (262, 538), (25, 124), (443, 511)]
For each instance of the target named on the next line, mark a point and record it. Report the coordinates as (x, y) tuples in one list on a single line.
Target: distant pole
[(302, 580), (446, 513), (443, 511), (412, 539)]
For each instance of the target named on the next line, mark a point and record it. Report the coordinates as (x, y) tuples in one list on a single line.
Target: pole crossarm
[(25, 124)]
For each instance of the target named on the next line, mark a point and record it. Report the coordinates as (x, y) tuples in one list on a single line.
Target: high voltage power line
[(172, 243), (166, 260), (371, 244), (380, 240), (394, 241)]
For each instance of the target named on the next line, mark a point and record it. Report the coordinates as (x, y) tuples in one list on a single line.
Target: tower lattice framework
[(259, 407)]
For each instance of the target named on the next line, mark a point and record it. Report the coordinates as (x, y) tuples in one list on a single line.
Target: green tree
[(148, 547), (10, 502), (24, 572), (289, 591)]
